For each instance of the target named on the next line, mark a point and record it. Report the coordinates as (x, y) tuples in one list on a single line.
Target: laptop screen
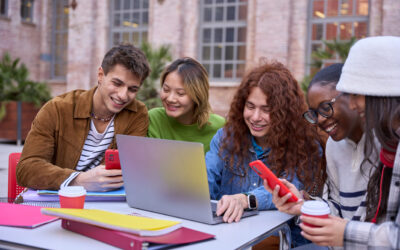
[(165, 176)]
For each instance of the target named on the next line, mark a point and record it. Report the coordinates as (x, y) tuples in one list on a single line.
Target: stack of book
[(32, 195), (126, 231)]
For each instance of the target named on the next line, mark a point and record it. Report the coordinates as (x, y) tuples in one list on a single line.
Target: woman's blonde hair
[(195, 81)]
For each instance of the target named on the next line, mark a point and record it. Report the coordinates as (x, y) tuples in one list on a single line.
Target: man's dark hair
[(128, 56)]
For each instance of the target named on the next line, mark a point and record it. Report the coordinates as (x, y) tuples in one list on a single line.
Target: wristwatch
[(251, 201)]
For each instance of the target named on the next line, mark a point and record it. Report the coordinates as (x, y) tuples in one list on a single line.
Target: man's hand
[(232, 206), (99, 179), (281, 202), (329, 231)]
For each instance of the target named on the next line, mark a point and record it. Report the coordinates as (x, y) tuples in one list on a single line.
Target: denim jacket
[(222, 181)]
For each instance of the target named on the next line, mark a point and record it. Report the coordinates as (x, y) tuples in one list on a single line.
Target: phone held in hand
[(265, 173), (112, 159)]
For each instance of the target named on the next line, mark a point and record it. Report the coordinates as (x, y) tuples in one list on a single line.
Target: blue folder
[(51, 195)]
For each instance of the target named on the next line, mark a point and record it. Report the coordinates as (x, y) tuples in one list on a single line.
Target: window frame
[(335, 19), (213, 25), (54, 45), (30, 17), (4, 3), (142, 29)]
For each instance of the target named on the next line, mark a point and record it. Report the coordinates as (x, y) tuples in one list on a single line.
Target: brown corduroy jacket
[(58, 133)]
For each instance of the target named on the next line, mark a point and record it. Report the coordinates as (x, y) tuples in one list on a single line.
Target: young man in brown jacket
[(71, 132)]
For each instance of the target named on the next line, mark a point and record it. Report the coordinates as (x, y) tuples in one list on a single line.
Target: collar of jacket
[(253, 151), (265, 154), (84, 107)]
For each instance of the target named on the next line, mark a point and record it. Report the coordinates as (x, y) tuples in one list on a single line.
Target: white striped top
[(347, 181), (93, 150)]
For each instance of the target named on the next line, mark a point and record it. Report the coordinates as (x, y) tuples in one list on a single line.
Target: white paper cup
[(72, 197), (317, 209)]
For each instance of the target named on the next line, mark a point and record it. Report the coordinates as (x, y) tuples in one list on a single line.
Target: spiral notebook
[(17, 215), (32, 195)]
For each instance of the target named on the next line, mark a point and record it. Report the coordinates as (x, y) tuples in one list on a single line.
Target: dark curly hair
[(128, 56), (293, 141)]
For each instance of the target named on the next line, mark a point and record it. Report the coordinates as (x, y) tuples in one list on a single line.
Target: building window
[(27, 10), (3, 7), (223, 38), (59, 44), (335, 19), (129, 21)]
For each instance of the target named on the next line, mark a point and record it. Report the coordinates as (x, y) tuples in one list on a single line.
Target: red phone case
[(264, 172), (112, 159)]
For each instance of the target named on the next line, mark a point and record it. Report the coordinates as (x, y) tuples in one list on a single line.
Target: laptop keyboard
[(219, 218), (214, 209), (215, 215)]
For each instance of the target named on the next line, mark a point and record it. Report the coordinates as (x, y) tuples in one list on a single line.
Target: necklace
[(94, 116)]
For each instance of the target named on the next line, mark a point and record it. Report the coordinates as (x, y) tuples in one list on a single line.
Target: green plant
[(305, 82), (158, 58), (332, 48), (15, 85)]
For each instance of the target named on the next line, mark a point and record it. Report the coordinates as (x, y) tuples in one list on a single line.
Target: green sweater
[(165, 127)]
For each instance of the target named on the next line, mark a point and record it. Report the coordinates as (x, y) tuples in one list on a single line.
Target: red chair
[(13, 188)]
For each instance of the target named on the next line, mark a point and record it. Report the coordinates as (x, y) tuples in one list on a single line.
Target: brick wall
[(272, 34), (276, 30), (22, 39), (175, 22), (87, 43), (391, 18)]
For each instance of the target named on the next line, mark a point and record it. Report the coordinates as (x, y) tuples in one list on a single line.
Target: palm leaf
[(157, 58)]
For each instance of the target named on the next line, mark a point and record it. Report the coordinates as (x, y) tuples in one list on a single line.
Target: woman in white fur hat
[(371, 74)]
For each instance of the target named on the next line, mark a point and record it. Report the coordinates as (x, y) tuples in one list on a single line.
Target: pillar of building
[(87, 42), (175, 23), (391, 18)]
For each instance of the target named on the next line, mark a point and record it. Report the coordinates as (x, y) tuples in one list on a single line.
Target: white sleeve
[(69, 179)]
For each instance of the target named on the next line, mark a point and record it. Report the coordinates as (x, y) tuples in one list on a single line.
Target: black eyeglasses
[(325, 109)]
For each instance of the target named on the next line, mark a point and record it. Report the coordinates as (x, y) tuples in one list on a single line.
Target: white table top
[(227, 236)]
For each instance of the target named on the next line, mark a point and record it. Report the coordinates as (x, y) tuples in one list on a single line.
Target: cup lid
[(315, 208), (72, 191)]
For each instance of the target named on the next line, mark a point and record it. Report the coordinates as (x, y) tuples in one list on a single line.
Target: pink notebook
[(16, 215), (124, 240)]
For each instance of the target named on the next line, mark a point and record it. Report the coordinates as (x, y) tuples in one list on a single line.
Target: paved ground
[(5, 149)]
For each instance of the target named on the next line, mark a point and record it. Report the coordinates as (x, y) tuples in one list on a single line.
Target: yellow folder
[(142, 226)]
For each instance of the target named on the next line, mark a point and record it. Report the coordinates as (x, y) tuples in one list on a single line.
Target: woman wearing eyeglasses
[(347, 173), (371, 75)]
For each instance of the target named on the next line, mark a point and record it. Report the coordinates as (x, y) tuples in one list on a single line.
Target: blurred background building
[(63, 41)]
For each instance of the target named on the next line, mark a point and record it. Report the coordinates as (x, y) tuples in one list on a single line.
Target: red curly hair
[(292, 140)]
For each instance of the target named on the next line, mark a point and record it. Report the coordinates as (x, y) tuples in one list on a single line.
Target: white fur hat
[(372, 67)]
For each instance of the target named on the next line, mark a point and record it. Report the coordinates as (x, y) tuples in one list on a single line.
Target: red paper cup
[(72, 197), (317, 209)]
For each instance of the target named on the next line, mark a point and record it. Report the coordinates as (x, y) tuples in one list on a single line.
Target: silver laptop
[(168, 177)]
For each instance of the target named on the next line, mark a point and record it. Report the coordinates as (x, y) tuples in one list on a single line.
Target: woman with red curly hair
[(264, 122)]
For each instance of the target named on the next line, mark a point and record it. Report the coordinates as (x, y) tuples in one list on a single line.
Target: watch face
[(252, 201)]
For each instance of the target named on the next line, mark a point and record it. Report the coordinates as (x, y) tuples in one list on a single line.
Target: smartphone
[(265, 173), (112, 159)]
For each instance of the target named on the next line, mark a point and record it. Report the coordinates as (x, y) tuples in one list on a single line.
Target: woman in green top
[(186, 115)]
